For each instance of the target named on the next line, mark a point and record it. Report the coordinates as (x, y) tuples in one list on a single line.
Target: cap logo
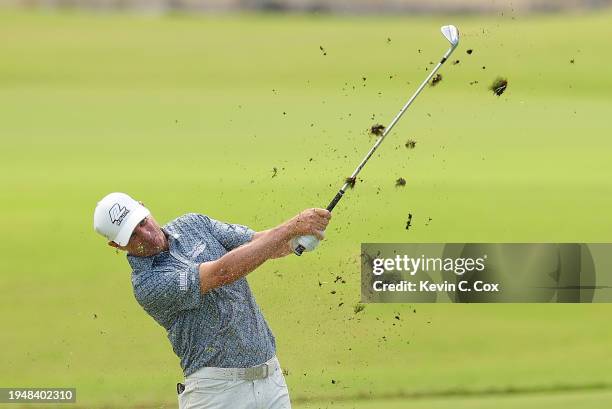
[(117, 214)]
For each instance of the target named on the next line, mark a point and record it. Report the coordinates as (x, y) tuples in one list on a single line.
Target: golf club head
[(452, 34)]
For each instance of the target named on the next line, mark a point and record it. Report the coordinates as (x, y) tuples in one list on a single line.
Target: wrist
[(284, 231)]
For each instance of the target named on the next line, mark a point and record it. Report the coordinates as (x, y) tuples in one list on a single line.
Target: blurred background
[(250, 111), (344, 6)]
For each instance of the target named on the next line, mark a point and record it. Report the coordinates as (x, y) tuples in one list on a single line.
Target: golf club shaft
[(388, 129), (300, 249)]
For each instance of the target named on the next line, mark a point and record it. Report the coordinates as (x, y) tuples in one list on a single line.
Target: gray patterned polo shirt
[(222, 328)]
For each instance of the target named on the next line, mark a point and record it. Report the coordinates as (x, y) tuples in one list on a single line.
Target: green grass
[(186, 114), (595, 400)]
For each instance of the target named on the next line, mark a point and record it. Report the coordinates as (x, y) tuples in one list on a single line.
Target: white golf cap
[(116, 216)]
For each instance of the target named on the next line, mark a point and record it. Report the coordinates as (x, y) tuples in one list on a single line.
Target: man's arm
[(260, 234), (282, 251), (265, 245)]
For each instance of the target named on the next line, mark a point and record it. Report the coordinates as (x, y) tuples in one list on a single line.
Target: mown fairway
[(193, 113)]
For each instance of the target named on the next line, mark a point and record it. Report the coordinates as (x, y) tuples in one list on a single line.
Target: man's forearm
[(244, 259), (260, 234)]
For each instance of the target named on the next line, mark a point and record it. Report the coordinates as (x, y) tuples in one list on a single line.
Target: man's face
[(146, 240)]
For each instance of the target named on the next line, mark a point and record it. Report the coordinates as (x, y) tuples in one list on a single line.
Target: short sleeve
[(166, 292), (230, 235)]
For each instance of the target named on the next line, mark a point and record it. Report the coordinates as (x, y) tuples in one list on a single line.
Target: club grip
[(335, 200), (304, 243), (299, 250)]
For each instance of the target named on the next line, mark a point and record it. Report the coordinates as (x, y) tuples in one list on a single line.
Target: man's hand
[(309, 222)]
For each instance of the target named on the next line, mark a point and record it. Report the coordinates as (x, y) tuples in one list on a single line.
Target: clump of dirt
[(358, 308), (377, 129), (388, 40), (274, 172), (409, 221), (469, 51), (351, 181), (400, 182), (456, 62), (435, 80), (572, 61), (410, 144), (323, 50), (499, 86)]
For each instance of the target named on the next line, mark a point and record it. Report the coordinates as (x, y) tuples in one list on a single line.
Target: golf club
[(309, 242)]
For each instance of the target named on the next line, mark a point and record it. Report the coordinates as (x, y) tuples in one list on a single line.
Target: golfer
[(190, 277)]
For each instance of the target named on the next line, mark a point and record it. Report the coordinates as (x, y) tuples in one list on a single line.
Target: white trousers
[(202, 392)]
